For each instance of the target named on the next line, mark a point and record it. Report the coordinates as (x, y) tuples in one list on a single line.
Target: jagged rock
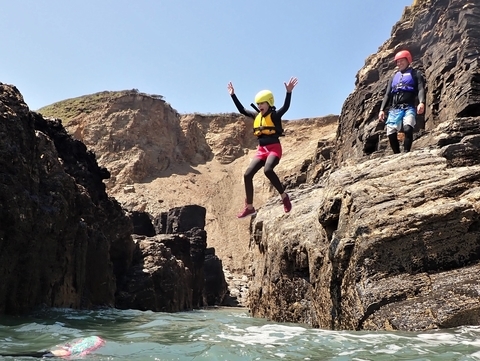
[(180, 219), (442, 36), (173, 270), (58, 249), (158, 280), (65, 243), (386, 234)]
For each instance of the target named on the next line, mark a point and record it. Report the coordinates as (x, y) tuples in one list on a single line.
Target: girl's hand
[(291, 84), (230, 88)]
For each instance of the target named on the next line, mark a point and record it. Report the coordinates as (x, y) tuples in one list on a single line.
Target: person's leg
[(409, 122), (407, 144), (270, 164), (252, 169), (394, 144), (394, 125)]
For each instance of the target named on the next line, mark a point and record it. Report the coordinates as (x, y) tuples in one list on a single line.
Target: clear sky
[(188, 50)]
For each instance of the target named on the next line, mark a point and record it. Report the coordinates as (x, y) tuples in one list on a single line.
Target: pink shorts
[(263, 151)]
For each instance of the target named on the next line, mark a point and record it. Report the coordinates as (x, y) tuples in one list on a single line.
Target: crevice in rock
[(371, 144), (472, 110), (298, 266), (474, 227), (371, 309), (340, 253), (256, 231), (329, 219)]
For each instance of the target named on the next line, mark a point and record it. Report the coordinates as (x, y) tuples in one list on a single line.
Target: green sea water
[(224, 334)]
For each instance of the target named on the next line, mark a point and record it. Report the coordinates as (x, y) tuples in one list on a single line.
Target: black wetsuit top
[(276, 115), (405, 98)]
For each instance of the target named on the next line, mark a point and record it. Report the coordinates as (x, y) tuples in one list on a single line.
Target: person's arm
[(386, 98), (288, 97), (241, 109), (286, 104), (420, 92)]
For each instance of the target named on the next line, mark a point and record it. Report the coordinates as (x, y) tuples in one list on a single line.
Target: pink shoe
[(287, 205), (247, 212)]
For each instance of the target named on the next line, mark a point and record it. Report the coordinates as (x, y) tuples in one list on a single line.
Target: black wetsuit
[(402, 99), (39, 354), (264, 140)]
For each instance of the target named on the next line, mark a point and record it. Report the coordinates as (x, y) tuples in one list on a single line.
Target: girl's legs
[(252, 169), (271, 163)]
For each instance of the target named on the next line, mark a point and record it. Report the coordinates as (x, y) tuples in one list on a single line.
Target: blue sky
[(188, 50)]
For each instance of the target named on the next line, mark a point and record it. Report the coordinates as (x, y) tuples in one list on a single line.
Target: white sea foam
[(267, 335)]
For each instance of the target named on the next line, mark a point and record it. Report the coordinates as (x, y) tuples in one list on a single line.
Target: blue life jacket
[(404, 82)]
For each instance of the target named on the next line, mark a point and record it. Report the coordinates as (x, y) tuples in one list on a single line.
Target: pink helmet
[(404, 54)]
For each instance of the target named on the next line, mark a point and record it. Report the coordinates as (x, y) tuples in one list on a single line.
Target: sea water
[(224, 334)]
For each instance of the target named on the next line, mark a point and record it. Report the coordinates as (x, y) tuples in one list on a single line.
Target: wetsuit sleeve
[(387, 95), (420, 87), (41, 354), (286, 104), (241, 109)]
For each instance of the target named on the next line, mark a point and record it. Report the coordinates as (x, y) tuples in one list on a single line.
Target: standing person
[(267, 126), (402, 90)]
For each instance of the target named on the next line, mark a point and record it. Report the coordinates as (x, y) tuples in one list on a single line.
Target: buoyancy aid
[(264, 125), (404, 82)]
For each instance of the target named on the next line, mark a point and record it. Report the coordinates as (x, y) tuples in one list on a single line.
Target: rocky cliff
[(61, 236), (443, 37), (388, 241)]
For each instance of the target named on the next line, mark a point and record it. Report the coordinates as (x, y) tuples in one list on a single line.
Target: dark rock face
[(376, 246), (444, 39), (215, 283), (157, 280), (170, 271), (388, 241), (180, 219), (142, 224), (63, 241)]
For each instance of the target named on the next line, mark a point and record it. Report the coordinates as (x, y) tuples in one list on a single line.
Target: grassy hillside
[(71, 108)]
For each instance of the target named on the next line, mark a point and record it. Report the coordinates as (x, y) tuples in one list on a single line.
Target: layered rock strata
[(388, 241)]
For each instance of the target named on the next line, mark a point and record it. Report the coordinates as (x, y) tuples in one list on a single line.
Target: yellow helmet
[(264, 96)]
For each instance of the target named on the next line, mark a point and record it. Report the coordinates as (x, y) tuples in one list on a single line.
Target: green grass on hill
[(68, 109)]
